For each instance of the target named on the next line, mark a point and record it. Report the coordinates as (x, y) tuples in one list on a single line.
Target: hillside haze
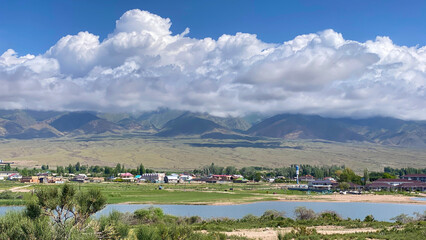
[(29, 124)]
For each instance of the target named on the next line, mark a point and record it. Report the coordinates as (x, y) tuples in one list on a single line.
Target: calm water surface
[(381, 211), (419, 198)]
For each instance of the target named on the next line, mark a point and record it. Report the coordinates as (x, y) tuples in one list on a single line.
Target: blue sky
[(332, 58), (34, 26)]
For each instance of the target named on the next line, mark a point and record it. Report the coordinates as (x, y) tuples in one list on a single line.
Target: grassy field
[(171, 194), (190, 153)]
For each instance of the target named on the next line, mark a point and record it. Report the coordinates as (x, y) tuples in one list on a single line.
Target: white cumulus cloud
[(142, 66)]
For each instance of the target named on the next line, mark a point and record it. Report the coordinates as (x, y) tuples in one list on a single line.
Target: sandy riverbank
[(272, 234), (373, 198), (335, 197), (370, 198)]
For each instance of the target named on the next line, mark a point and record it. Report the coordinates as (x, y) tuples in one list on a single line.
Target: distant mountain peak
[(28, 124)]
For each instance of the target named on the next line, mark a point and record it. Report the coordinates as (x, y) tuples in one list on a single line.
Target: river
[(381, 211)]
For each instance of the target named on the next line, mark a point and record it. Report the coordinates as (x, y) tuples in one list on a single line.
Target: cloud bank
[(142, 66)]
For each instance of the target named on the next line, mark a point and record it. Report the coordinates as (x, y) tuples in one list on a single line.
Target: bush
[(194, 219), (302, 213), (330, 216), (33, 210), (7, 195), (402, 218), (147, 233), (16, 225), (420, 216), (113, 226), (272, 214), (149, 215), (174, 232), (249, 218), (300, 233), (369, 218)]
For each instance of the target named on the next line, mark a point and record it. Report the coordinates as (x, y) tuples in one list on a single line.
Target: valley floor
[(175, 154), (207, 194)]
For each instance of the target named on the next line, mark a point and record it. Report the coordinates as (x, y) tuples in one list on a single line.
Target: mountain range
[(29, 124)]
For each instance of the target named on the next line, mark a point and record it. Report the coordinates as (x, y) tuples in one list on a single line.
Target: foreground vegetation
[(67, 213)]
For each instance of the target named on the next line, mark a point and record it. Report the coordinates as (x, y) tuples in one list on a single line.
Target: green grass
[(178, 193), (5, 185), (12, 202), (173, 194)]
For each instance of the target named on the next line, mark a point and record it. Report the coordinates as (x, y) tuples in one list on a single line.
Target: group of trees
[(404, 171), (341, 173), (102, 171), (254, 172), (5, 167)]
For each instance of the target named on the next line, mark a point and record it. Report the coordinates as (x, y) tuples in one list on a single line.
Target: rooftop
[(392, 180), (415, 175)]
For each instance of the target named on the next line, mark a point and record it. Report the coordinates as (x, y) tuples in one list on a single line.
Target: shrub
[(301, 232), (273, 214), (147, 233), (402, 218), (249, 218), (113, 226), (7, 195), (369, 218), (302, 213), (33, 210), (330, 216), (149, 215), (16, 225), (420, 216), (194, 219)]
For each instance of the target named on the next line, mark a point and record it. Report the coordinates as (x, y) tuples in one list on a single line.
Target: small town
[(406, 182)]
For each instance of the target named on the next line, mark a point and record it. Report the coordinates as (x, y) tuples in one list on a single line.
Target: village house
[(81, 178), (413, 186), (153, 177), (173, 178), (396, 184), (57, 180), (270, 180), (31, 179), (185, 177), (14, 177), (222, 178), (127, 177), (240, 180), (307, 178), (97, 179), (321, 185), (415, 177), (5, 174), (330, 179)]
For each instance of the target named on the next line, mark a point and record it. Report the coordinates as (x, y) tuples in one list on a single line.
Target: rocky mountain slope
[(28, 124)]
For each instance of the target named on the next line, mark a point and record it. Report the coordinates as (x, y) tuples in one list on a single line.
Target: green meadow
[(170, 194)]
